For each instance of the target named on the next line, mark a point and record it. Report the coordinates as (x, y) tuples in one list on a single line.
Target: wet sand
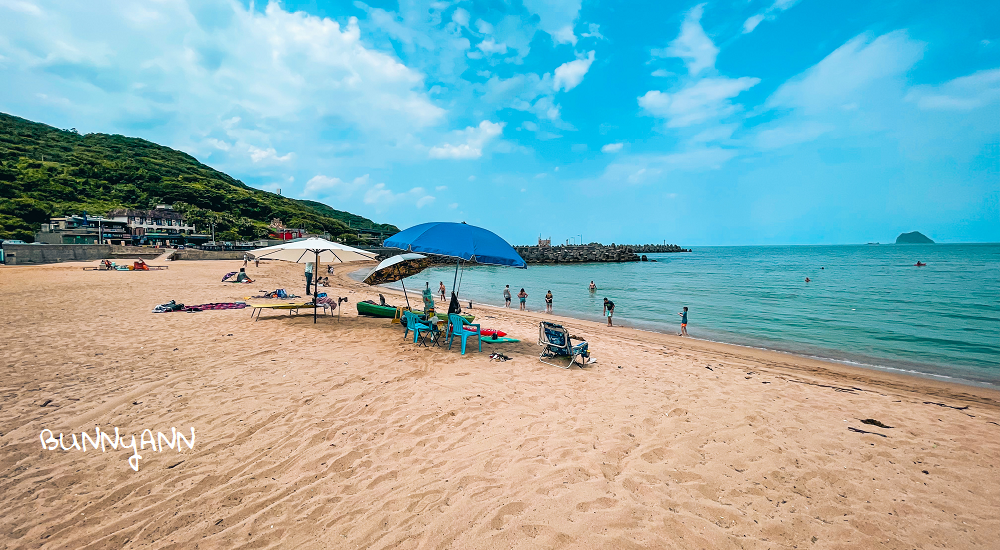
[(340, 434)]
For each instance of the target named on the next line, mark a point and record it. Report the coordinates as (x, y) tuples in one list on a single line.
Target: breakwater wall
[(593, 252)]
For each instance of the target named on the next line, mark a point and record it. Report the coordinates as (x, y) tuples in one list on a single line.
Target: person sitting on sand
[(522, 296), (684, 322), (548, 302), (609, 309), (242, 276)]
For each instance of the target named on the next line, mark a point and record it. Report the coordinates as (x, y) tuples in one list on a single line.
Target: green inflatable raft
[(375, 310)]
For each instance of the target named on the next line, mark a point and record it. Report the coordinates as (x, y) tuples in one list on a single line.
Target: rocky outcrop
[(913, 237), (657, 248)]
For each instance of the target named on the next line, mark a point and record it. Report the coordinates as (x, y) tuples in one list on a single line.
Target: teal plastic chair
[(415, 324), (456, 327)]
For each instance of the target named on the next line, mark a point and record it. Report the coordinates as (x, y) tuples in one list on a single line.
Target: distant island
[(913, 237)]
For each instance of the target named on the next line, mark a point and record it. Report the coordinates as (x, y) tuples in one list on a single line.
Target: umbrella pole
[(455, 280), (315, 284), (404, 293)]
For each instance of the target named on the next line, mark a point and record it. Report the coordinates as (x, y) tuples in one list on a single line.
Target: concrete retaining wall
[(193, 254), (27, 254)]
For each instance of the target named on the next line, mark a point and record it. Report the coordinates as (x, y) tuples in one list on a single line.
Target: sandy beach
[(340, 434)]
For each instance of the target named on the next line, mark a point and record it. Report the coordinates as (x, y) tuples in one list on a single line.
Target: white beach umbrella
[(314, 250)]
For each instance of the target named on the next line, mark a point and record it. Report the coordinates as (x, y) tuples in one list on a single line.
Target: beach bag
[(281, 293)]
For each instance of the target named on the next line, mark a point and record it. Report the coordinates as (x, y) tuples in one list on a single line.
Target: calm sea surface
[(865, 304)]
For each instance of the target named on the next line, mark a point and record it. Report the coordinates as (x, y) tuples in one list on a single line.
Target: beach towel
[(213, 306), (228, 276)]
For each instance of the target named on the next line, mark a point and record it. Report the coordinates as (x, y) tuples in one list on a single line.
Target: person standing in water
[(523, 296), (609, 309), (548, 302), (506, 296), (593, 287), (441, 290), (684, 322)]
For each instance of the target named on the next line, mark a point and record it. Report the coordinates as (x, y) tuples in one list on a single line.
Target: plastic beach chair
[(412, 322), (457, 327), (555, 342)]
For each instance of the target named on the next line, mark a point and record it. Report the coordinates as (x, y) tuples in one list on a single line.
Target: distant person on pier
[(609, 309), (523, 296), (548, 302), (684, 322), (506, 296)]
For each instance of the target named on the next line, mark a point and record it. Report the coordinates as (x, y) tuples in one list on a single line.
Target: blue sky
[(726, 122)]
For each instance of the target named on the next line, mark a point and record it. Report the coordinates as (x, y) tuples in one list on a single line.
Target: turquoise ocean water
[(865, 304)]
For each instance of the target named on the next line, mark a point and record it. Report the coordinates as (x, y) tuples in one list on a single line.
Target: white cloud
[(326, 186), (706, 99), (558, 18), (612, 148), (961, 94), (474, 140), (269, 154), (453, 205), (490, 47), (789, 134), (21, 6), (770, 14), (382, 197), (440, 188), (460, 17), (569, 75), (661, 73), (848, 72), (594, 31), (484, 27), (751, 23), (692, 44)]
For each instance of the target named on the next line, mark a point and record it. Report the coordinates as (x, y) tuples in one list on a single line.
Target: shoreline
[(883, 376)]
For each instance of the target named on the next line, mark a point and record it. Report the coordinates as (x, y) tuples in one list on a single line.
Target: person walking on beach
[(309, 277), (246, 259), (441, 290), (256, 262), (522, 296), (609, 309), (548, 302), (593, 287), (684, 322), (506, 295)]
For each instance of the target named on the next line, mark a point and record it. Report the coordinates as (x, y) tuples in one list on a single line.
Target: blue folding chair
[(556, 342), (412, 322), (456, 327)]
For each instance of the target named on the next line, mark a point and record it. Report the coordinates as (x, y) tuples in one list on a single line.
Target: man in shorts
[(684, 322), (506, 295), (609, 309)]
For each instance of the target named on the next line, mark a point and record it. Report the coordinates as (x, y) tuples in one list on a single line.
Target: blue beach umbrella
[(457, 240)]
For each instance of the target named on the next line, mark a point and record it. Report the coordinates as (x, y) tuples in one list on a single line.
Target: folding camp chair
[(412, 322), (555, 342)]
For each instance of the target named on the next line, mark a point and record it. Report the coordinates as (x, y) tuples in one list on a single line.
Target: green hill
[(48, 172), (913, 237)]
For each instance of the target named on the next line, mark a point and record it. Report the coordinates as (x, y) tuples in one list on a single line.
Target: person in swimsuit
[(522, 296), (548, 302), (684, 322), (593, 287), (506, 296), (609, 309), (441, 290)]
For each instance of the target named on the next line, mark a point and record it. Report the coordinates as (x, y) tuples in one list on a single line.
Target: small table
[(434, 336)]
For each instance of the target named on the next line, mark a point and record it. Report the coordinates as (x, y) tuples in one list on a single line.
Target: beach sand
[(341, 434)]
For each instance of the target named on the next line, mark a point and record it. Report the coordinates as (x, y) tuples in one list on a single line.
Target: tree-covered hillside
[(47, 172)]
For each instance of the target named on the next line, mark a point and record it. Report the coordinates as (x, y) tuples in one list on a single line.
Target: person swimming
[(919, 264), (807, 279)]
